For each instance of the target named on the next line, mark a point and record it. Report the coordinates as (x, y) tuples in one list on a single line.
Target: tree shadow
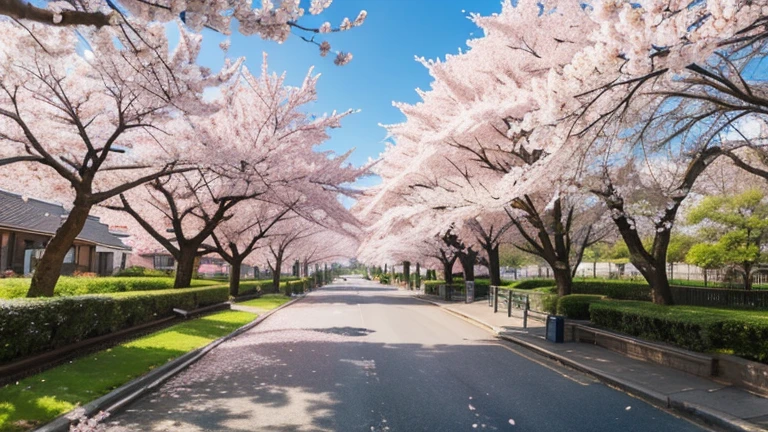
[(354, 385)]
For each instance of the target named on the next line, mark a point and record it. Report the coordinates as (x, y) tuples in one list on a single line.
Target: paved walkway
[(731, 407)]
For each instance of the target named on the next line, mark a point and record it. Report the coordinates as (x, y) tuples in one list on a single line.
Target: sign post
[(470, 285)]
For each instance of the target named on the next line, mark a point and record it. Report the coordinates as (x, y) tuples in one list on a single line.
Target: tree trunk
[(563, 279), (276, 274), (417, 281), (234, 278), (747, 277), (185, 266), (448, 272), (407, 273), (494, 267), (660, 290), (468, 265), (48, 268)]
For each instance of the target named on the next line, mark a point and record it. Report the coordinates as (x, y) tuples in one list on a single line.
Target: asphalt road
[(359, 357)]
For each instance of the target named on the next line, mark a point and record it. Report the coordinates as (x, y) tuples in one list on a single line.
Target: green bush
[(738, 332), (533, 283), (576, 306), (617, 290), (134, 271), (29, 326), (253, 287), (71, 286), (542, 300)]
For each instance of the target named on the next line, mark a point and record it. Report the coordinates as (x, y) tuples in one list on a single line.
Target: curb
[(707, 415), (129, 392)]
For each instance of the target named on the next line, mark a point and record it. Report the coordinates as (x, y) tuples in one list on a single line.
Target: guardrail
[(512, 301)]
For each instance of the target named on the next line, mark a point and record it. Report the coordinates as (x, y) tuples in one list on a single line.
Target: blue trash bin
[(555, 328)]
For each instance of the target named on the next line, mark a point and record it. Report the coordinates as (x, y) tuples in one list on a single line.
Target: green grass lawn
[(267, 301), (40, 398), (68, 285)]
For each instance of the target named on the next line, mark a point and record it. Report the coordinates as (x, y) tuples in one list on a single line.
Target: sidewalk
[(726, 407)]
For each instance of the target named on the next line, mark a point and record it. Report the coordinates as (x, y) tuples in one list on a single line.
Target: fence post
[(509, 304), (525, 311), (495, 299)]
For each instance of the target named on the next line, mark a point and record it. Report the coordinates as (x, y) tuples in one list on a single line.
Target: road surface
[(360, 357)]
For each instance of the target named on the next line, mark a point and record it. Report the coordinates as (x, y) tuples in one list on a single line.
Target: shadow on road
[(364, 386)]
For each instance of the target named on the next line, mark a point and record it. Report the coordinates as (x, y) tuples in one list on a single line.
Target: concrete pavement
[(362, 357)]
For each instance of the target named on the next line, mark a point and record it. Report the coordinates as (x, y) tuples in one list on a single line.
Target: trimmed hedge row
[(71, 286), (528, 284), (703, 329), (576, 306), (617, 290), (257, 286), (36, 325), (296, 286)]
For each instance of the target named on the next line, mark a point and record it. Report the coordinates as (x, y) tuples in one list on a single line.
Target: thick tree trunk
[(563, 279), (417, 282), (185, 267), (407, 273), (234, 278), (448, 272), (660, 290), (48, 268), (494, 267), (276, 274), (468, 265), (747, 277)]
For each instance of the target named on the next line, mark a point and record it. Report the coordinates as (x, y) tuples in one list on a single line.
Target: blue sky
[(383, 69)]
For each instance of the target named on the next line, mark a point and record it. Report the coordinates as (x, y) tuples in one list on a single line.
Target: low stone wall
[(694, 363), (747, 374), (726, 369)]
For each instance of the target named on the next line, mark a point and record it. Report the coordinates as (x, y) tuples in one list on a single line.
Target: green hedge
[(528, 284), (258, 286), (71, 286), (30, 326), (617, 290), (576, 306), (134, 271), (542, 300), (296, 286), (738, 332)]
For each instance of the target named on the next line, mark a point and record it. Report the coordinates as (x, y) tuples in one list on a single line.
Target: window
[(164, 262), (69, 258)]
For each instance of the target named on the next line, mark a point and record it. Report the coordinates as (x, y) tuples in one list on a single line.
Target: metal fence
[(719, 297)]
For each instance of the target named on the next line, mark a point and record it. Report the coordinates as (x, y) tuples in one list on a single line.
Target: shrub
[(70, 286), (542, 300), (576, 306), (533, 283), (253, 287), (617, 290), (743, 333), (29, 326), (134, 271)]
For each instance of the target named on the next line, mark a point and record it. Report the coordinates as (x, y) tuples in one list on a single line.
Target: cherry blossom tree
[(259, 144), (271, 21), (96, 125)]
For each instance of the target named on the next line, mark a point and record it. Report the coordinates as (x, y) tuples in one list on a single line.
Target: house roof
[(42, 217)]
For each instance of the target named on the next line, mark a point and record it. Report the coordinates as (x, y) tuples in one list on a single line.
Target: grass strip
[(38, 399), (267, 301)]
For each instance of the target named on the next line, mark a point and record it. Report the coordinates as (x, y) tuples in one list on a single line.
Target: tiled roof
[(45, 217)]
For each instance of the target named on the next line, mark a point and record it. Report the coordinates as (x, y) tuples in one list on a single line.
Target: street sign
[(470, 291)]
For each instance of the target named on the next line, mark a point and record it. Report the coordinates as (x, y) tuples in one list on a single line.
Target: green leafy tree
[(707, 256), (736, 227), (677, 251)]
